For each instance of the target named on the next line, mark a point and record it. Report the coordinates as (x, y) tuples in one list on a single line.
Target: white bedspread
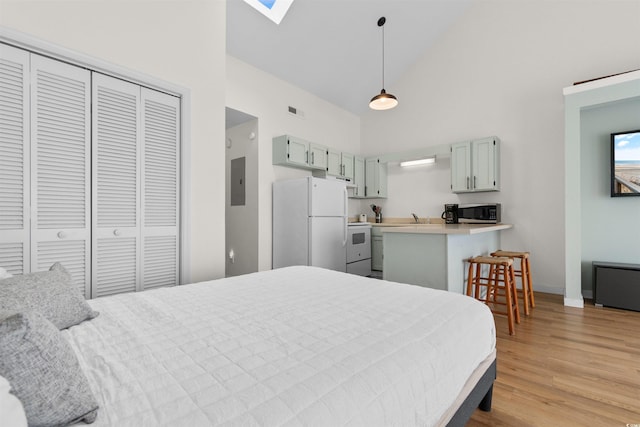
[(294, 346)]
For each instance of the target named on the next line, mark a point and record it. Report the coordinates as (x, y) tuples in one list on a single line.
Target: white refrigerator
[(310, 223)]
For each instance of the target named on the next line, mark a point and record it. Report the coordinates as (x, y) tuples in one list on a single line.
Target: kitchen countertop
[(442, 228)]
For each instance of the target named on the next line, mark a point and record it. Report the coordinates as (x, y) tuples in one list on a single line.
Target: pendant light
[(384, 100)]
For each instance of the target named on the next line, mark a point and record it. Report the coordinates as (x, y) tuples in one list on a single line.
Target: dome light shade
[(383, 101)]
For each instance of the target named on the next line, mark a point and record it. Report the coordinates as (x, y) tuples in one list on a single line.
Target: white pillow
[(4, 274), (10, 407)]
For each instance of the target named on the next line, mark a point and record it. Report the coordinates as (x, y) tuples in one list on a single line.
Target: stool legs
[(532, 300), (525, 276), (500, 283)]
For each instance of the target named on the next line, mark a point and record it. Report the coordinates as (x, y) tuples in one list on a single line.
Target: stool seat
[(510, 254), (494, 286), (524, 273), (491, 260)]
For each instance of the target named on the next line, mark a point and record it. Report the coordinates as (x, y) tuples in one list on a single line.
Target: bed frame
[(480, 397)]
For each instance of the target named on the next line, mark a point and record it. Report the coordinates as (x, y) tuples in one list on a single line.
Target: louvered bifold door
[(14, 160), (60, 168), (160, 189), (116, 183)]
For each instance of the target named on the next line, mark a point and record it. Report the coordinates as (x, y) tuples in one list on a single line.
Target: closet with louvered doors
[(135, 187), (89, 175)]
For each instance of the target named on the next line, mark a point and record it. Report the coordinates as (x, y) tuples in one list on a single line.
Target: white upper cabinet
[(340, 164), (296, 152), (475, 165), (317, 156), (376, 178), (358, 177)]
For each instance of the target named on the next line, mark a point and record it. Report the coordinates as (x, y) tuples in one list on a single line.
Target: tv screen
[(625, 163)]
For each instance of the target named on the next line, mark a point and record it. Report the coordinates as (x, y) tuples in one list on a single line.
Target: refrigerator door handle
[(346, 216)]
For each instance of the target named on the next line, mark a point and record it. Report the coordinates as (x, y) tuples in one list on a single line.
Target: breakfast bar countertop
[(442, 228)]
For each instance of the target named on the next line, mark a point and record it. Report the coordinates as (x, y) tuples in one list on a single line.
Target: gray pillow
[(48, 292), (44, 372)]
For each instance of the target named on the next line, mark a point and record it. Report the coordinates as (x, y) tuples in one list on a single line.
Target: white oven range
[(359, 248)]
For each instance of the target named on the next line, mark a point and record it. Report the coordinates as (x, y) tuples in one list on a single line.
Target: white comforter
[(294, 346)]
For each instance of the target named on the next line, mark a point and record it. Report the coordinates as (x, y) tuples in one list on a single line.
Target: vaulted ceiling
[(333, 48)]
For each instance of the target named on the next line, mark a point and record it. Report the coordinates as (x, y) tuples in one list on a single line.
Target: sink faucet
[(416, 218)]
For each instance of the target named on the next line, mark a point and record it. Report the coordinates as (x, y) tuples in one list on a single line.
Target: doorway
[(241, 193)]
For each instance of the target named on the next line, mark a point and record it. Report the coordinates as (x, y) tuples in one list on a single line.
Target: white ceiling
[(333, 48)]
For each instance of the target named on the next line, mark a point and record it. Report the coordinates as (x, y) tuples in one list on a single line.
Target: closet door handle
[(116, 232), (62, 235)]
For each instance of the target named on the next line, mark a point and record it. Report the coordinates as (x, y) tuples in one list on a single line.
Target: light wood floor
[(567, 367)]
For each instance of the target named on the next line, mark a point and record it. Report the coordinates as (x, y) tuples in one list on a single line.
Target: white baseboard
[(548, 289), (574, 302)]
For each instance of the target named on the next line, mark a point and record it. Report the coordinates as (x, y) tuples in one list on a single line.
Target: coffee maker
[(450, 214)]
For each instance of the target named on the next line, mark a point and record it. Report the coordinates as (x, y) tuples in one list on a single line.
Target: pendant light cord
[(382, 56)]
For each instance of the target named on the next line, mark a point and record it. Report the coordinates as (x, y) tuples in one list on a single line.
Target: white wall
[(262, 95), (182, 42), (610, 230), (500, 71), (241, 223)]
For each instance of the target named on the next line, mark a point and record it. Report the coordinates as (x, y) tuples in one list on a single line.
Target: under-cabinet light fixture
[(418, 162)]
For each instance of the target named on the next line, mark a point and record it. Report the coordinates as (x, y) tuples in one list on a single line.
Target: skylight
[(272, 9)]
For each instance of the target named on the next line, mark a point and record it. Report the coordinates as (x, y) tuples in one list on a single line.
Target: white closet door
[(14, 160), (116, 183), (60, 168), (160, 189)]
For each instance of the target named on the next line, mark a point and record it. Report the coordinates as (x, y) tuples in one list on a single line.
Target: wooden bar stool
[(524, 274), (498, 287)]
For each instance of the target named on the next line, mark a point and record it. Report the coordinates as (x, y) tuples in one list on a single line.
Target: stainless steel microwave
[(479, 213)]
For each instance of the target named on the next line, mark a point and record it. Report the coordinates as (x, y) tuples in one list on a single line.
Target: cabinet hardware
[(62, 235), (467, 183), (474, 182)]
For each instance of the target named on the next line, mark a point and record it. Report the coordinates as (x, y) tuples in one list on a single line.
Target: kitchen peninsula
[(433, 255)]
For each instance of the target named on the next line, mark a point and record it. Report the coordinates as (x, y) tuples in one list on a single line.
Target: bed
[(291, 346)]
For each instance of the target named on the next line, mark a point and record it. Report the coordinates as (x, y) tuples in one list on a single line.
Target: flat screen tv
[(625, 163)]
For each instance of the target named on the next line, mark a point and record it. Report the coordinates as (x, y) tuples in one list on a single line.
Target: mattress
[(292, 346)]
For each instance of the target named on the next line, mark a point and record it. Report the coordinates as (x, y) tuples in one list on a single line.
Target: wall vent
[(296, 112)]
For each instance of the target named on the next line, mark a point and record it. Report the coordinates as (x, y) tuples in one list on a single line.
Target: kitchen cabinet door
[(376, 252), (290, 151), (485, 155), (317, 156), (375, 178), (461, 167), (334, 162), (358, 177), (297, 151), (347, 165)]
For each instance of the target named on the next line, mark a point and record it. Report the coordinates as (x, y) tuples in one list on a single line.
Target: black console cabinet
[(617, 285)]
